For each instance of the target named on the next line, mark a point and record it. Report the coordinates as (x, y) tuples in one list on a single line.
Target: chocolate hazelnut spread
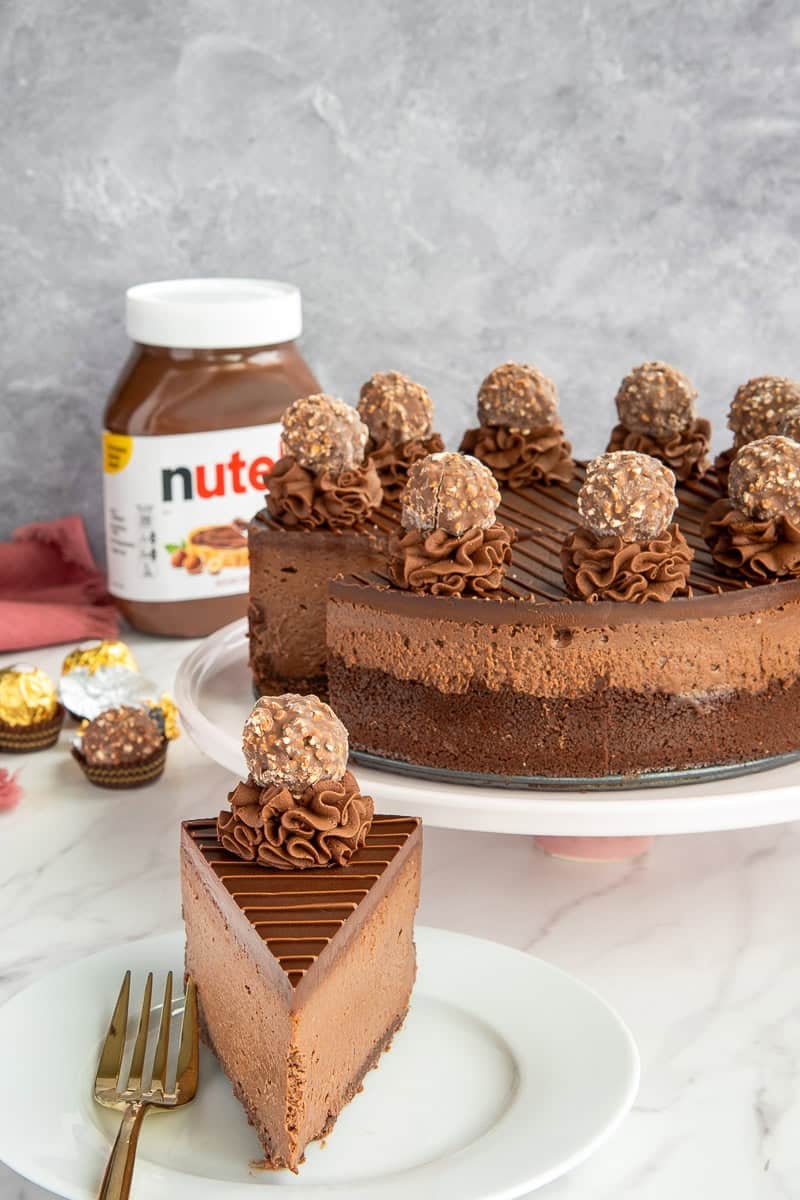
[(191, 427)]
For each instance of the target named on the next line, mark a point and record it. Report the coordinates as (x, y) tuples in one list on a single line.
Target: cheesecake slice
[(303, 975)]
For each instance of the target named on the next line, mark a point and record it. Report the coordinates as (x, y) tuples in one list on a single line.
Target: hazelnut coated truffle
[(759, 405), (517, 396), (764, 480), (395, 409), (293, 741), (121, 735), (453, 492), (627, 495), (657, 400), (324, 434)]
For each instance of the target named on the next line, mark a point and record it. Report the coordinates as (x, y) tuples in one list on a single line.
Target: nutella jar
[(189, 430)]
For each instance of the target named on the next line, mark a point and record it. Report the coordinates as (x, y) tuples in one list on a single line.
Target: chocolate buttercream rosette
[(520, 437), (30, 714), (398, 413), (123, 747), (324, 479), (755, 532), (627, 548), (299, 807), (656, 407), (453, 543)]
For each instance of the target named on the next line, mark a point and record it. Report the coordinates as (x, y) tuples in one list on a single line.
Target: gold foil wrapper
[(27, 695), (99, 654), (164, 712)]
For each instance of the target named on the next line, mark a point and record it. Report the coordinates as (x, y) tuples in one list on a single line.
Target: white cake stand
[(213, 690)]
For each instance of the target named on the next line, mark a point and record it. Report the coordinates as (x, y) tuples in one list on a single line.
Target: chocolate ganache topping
[(609, 568), (758, 549), (299, 499), (685, 453), (323, 827), (445, 564), (518, 458), (392, 461)]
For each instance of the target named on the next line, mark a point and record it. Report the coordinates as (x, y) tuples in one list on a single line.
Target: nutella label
[(177, 509)]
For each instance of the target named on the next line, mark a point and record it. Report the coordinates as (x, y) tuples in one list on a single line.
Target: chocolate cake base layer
[(609, 731)]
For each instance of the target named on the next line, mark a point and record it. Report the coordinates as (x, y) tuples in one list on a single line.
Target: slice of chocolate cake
[(299, 909)]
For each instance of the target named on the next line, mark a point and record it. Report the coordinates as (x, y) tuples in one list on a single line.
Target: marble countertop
[(696, 945)]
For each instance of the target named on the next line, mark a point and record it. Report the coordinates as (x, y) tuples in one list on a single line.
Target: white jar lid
[(213, 314)]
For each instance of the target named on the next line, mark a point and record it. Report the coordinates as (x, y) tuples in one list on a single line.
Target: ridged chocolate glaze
[(542, 516), (298, 913)]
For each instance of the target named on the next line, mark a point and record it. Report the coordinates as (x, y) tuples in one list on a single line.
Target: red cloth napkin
[(51, 589)]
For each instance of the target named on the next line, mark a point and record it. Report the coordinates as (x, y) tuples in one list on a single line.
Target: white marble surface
[(696, 945)]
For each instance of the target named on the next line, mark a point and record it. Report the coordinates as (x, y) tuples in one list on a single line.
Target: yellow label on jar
[(117, 451)]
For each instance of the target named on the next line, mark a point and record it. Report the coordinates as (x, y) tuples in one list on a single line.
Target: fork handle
[(116, 1183)]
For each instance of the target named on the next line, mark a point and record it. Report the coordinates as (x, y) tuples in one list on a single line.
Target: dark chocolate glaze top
[(298, 913), (533, 591)]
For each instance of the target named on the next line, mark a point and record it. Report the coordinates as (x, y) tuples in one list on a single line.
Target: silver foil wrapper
[(86, 694)]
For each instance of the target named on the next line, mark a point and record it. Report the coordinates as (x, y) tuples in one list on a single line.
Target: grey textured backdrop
[(580, 184)]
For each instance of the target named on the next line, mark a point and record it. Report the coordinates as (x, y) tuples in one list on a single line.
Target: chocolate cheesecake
[(531, 682), (299, 909)]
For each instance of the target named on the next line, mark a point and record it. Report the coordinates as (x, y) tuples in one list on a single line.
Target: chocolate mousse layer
[(529, 682), (289, 574), (303, 976)]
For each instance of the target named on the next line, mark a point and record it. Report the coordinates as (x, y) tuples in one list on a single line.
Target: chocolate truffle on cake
[(756, 531), (312, 943), (123, 747), (656, 407), (30, 714), (323, 480), (293, 741), (453, 542), (520, 436), (756, 411), (765, 479), (627, 547), (399, 414)]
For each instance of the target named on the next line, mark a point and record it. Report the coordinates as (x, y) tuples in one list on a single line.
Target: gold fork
[(134, 1096)]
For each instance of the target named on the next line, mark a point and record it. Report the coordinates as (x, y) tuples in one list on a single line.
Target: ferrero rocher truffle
[(93, 655), (293, 741), (628, 495), (395, 409), (121, 736), (764, 480), (453, 492), (789, 424), (657, 400), (517, 396), (759, 405), (27, 695), (324, 434)]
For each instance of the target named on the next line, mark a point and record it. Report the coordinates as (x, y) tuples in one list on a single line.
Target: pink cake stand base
[(594, 849)]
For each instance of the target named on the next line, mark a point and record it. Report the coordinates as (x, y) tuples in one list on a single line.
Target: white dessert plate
[(507, 1074), (213, 689)]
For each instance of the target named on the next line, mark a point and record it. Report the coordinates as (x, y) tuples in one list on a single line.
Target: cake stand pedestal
[(214, 694)]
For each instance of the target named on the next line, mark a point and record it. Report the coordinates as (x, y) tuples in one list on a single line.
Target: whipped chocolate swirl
[(686, 453), (298, 499), (608, 568), (322, 828), (445, 564), (760, 550), (392, 462), (518, 458)]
